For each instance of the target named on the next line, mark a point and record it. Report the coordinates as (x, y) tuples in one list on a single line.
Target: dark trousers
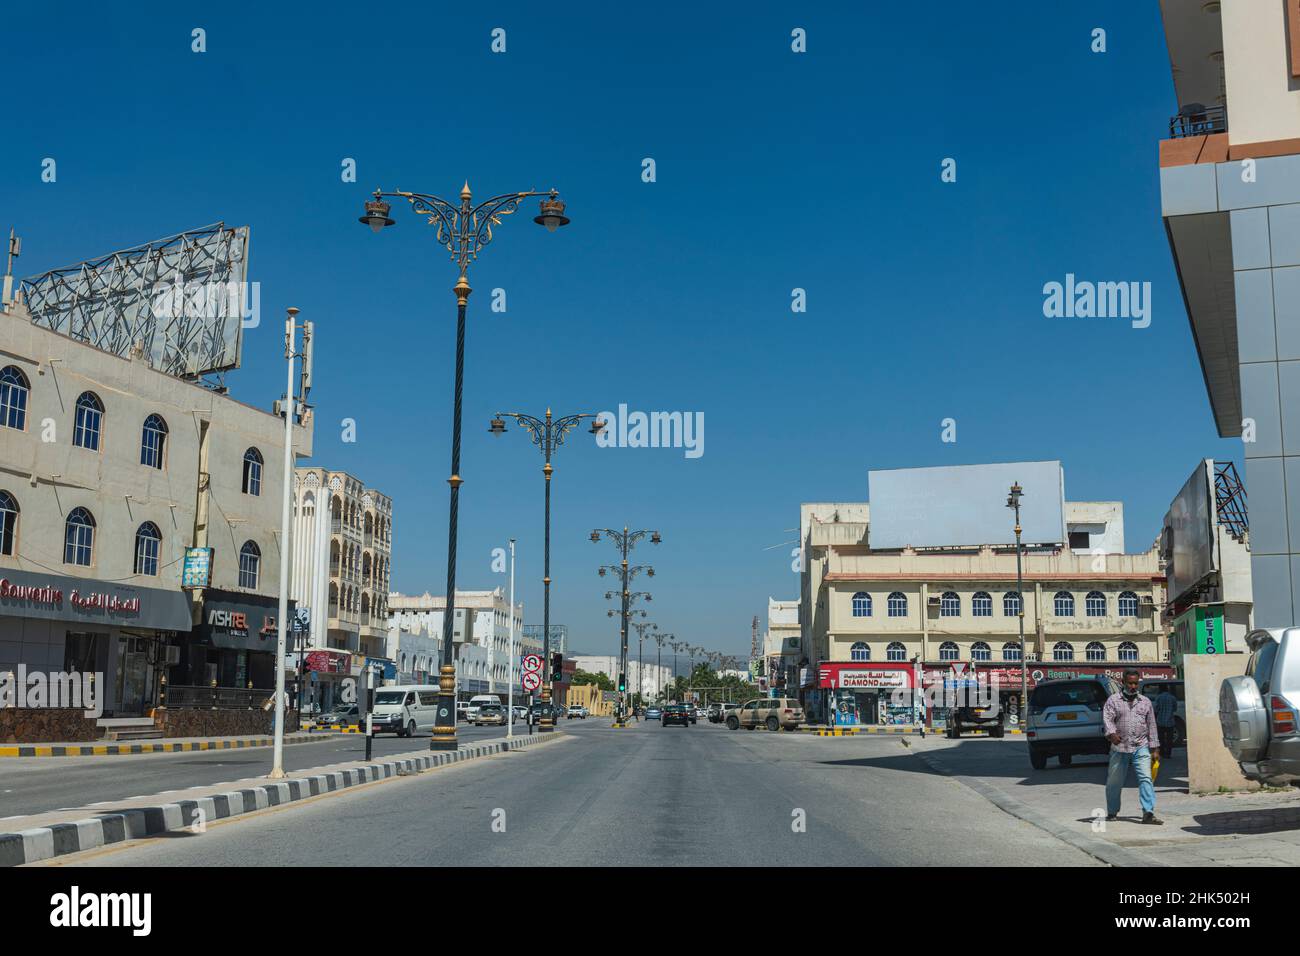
[(1166, 739)]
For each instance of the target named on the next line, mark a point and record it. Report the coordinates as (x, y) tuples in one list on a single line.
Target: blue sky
[(774, 171)]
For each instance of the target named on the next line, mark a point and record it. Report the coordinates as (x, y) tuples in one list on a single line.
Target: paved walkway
[(1260, 828)]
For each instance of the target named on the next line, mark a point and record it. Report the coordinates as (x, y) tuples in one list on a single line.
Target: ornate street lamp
[(625, 541), (463, 230), (548, 435)]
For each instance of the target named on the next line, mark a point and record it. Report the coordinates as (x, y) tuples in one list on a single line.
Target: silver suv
[(1065, 720), (1257, 711)]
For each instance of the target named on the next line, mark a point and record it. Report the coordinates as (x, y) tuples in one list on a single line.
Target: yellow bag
[(1155, 768)]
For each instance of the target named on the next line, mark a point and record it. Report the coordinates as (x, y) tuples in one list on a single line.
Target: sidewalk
[(1260, 828), (43, 836), (160, 745)]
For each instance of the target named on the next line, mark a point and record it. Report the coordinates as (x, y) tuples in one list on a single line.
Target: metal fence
[(1198, 120), (217, 698)]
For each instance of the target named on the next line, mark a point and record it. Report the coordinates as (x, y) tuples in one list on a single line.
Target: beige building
[(489, 629), (909, 617), (109, 471)]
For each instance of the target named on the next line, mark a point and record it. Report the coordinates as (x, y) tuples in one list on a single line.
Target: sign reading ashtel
[(239, 621)]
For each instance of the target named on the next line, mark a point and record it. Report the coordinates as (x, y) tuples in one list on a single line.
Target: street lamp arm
[(461, 229)]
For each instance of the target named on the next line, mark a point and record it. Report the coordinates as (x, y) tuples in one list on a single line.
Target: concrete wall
[(1210, 766), (1102, 520), (1263, 99)]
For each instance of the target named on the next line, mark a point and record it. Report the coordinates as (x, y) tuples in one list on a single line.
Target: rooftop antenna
[(15, 249)]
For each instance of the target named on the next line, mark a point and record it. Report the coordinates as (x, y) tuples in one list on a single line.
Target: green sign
[(1198, 630)]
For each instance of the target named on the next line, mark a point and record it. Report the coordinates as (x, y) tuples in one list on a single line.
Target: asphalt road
[(647, 794), (38, 784)]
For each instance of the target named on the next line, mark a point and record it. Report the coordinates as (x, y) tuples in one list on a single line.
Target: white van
[(479, 700), (405, 709)]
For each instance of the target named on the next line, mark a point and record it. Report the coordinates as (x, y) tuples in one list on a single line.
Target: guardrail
[(217, 698)]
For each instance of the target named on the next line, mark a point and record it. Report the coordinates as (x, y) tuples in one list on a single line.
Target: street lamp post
[(548, 435), (661, 639), (641, 628), (625, 541), (464, 230), (1013, 502)]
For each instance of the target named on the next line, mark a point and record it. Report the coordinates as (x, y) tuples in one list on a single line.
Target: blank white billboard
[(966, 505)]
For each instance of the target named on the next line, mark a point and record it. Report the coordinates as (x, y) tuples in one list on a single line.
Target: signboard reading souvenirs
[(59, 598)]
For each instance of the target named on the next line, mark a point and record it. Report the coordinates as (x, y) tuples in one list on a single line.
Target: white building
[(491, 628), (649, 677), (417, 652), (110, 469)]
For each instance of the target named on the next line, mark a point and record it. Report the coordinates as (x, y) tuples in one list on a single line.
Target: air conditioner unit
[(934, 600)]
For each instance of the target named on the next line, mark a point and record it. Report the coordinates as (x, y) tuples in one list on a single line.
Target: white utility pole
[(282, 620), (510, 692)]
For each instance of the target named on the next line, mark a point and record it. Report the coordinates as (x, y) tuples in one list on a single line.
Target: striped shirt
[(1134, 720)]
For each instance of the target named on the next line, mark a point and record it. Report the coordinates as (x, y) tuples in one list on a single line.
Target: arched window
[(153, 442), (979, 651), (89, 420), (1011, 603), (13, 398), (1128, 604), (1094, 605), (79, 538), (250, 564), (1094, 652), (949, 604), (981, 604), (1063, 651), (252, 472), (8, 523), (147, 543), (895, 652), (1010, 651), (859, 652), (862, 604), (947, 651), (1128, 652), (1064, 604), (897, 604)]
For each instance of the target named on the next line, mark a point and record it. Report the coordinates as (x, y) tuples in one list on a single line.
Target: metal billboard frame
[(130, 302)]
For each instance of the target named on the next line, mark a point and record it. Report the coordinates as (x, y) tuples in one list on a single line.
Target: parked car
[(577, 710), (990, 717), (774, 713), (677, 714), (405, 709), (1152, 689), (1065, 720), (1257, 711), (654, 713), (493, 714), (714, 713), (343, 714)]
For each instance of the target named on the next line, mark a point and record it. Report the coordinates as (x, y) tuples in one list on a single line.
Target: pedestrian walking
[(1166, 707), (1129, 722)]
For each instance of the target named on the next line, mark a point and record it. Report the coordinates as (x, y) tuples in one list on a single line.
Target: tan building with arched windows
[(342, 570)]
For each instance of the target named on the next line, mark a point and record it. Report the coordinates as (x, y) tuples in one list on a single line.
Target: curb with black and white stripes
[(45, 843)]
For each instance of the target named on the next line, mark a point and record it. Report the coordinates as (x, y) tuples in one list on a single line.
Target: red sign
[(863, 675), (329, 662)]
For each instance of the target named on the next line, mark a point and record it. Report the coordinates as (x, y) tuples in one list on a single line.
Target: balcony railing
[(1197, 120)]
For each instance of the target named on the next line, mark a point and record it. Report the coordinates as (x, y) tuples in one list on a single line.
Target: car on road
[(1257, 711), (465, 710), (714, 713), (577, 710), (343, 714), (1065, 720), (404, 709), (774, 713), (676, 714), (1152, 689), (654, 713), (538, 711), (521, 713), (490, 715), (987, 717)]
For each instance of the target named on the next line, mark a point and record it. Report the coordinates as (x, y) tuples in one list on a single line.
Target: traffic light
[(557, 667), (622, 684)]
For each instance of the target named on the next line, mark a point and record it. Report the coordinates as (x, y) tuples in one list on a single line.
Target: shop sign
[(57, 597), (196, 572)]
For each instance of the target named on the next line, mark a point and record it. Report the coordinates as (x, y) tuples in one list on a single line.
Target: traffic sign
[(532, 663), (532, 680), (301, 620)]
